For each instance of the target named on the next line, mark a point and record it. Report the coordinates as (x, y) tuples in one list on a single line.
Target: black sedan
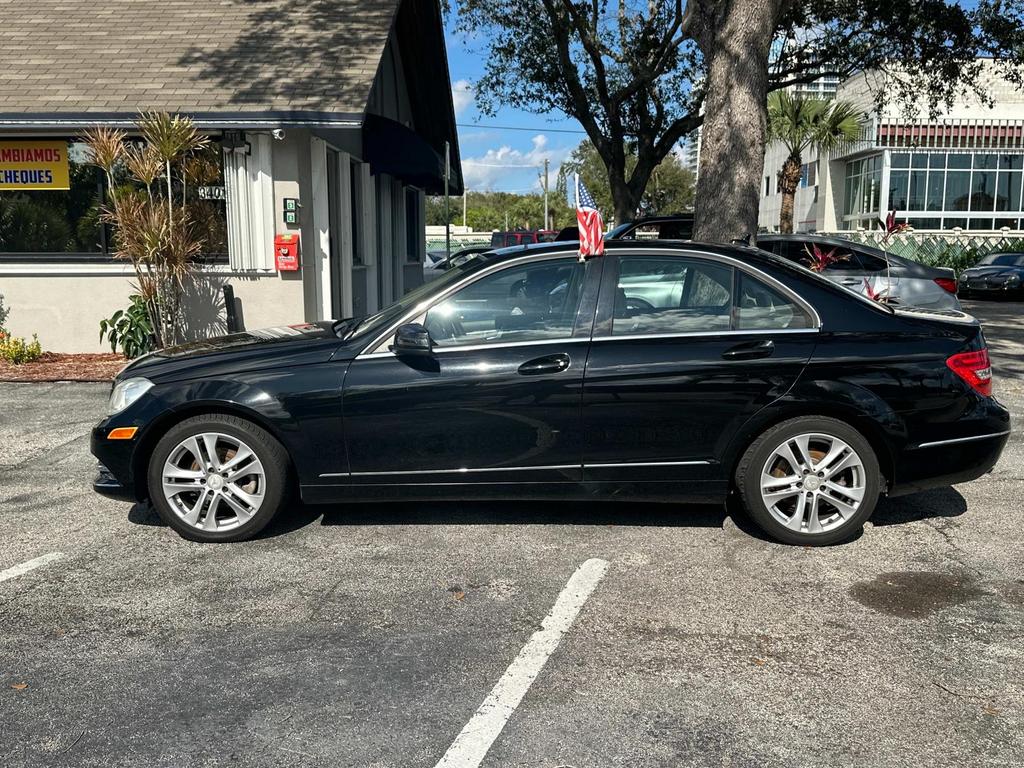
[(658, 372), (996, 275)]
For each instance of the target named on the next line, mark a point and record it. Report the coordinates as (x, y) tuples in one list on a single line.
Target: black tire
[(748, 479), (270, 453)]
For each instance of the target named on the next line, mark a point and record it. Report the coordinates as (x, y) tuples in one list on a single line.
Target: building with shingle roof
[(340, 109)]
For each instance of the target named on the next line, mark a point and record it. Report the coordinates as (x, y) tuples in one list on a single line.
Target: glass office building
[(936, 189)]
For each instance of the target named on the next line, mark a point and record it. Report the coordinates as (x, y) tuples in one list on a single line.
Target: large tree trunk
[(623, 199), (789, 178), (735, 37)]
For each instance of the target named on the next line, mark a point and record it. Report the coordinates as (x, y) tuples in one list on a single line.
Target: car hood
[(992, 271), (278, 346)]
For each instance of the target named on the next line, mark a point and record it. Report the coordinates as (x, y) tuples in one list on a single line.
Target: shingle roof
[(197, 56)]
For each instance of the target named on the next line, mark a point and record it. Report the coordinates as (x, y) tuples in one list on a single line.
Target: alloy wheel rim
[(214, 482), (813, 483)]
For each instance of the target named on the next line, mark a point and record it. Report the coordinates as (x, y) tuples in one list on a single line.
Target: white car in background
[(862, 268)]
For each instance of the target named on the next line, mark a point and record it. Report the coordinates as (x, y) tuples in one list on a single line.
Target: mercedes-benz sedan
[(658, 372)]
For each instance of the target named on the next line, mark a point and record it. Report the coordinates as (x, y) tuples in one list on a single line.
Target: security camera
[(278, 134)]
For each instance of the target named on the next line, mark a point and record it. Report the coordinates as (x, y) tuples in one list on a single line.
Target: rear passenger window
[(871, 263), (671, 295), (821, 257), (761, 307)]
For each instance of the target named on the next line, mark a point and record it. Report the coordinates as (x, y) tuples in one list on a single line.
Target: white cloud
[(515, 170), (462, 95)]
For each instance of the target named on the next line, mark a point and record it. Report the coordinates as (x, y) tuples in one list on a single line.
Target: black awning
[(398, 151)]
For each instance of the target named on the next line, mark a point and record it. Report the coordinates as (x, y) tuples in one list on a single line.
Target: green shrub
[(18, 351), (3, 311), (129, 329)]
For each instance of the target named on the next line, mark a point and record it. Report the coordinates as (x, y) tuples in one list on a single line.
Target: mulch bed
[(54, 366)]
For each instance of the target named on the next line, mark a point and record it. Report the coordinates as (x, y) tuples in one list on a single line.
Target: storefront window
[(54, 221), (863, 191), (958, 186)]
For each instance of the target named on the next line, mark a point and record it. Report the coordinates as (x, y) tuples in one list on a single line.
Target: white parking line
[(20, 570), (471, 745)]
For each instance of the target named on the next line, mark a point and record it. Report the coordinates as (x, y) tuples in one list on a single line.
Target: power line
[(519, 128)]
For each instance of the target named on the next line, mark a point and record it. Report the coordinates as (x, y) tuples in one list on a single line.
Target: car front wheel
[(810, 481), (218, 478)]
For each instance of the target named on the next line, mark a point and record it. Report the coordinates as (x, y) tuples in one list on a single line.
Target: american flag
[(588, 219)]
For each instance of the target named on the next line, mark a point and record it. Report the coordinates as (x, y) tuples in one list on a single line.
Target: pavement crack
[(957, 555)]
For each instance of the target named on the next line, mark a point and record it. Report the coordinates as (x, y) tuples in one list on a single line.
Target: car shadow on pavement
[(937, 503)]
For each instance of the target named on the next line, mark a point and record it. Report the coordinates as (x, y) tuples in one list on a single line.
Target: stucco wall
[(64, 306)]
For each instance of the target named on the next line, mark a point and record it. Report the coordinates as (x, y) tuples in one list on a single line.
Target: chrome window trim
[(963, 439), (705, 334), (424, 306), (496, 345), (467, 470)]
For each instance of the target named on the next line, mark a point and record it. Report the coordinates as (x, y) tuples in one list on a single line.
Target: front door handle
[(750, 350), (546, 364), (850, 281)]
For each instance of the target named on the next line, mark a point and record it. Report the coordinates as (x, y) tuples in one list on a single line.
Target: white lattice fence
[(940, 249)]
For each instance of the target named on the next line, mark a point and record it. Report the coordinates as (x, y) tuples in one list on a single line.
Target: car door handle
[(850, 281), (546, 364), (750, 351)]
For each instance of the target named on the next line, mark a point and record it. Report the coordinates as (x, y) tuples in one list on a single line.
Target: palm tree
[(802, 123)]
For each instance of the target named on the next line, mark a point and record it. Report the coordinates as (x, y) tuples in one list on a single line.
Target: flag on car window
[(588, 219)]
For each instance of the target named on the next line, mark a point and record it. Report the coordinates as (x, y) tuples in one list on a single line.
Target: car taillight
[(946, 283), (975, 369)]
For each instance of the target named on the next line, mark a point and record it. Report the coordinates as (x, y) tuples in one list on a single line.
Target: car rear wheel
[(218, 478), (811, 480)]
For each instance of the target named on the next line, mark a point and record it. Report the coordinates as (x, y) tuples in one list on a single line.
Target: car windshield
[(348, 329), (1003, 260)]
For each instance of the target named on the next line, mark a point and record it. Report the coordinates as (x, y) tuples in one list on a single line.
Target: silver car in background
[(862, 268)]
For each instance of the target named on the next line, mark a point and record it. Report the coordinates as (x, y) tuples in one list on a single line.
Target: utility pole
[(447, 214), (546, 220)]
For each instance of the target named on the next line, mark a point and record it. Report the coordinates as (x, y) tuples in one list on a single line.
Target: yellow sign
[(34, 165)]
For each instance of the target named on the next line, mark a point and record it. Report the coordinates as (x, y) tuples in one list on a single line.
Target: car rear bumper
[(939, 462)]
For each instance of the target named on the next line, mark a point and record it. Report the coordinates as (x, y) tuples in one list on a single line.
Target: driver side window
[(530, 302)]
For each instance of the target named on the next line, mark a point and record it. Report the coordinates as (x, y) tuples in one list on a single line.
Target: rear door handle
[(850, 281), (751, 350), (546, 364)]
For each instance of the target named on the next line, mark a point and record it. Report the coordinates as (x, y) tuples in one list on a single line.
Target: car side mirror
[(412, 339)]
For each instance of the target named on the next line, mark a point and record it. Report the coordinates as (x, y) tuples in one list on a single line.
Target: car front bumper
[(114, 477)]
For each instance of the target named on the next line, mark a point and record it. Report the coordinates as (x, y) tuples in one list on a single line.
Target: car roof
[(844, 242), (742, 252)]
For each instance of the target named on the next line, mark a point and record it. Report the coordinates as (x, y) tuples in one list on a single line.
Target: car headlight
[(127, 392), (1014, 278)]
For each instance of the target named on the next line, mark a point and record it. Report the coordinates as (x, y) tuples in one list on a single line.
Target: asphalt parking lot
[(370, 636)]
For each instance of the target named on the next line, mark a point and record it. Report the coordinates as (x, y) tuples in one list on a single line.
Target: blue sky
[(508, 158)]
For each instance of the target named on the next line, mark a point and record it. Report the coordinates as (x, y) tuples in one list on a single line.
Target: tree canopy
[(670, 189), (636, 75)]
